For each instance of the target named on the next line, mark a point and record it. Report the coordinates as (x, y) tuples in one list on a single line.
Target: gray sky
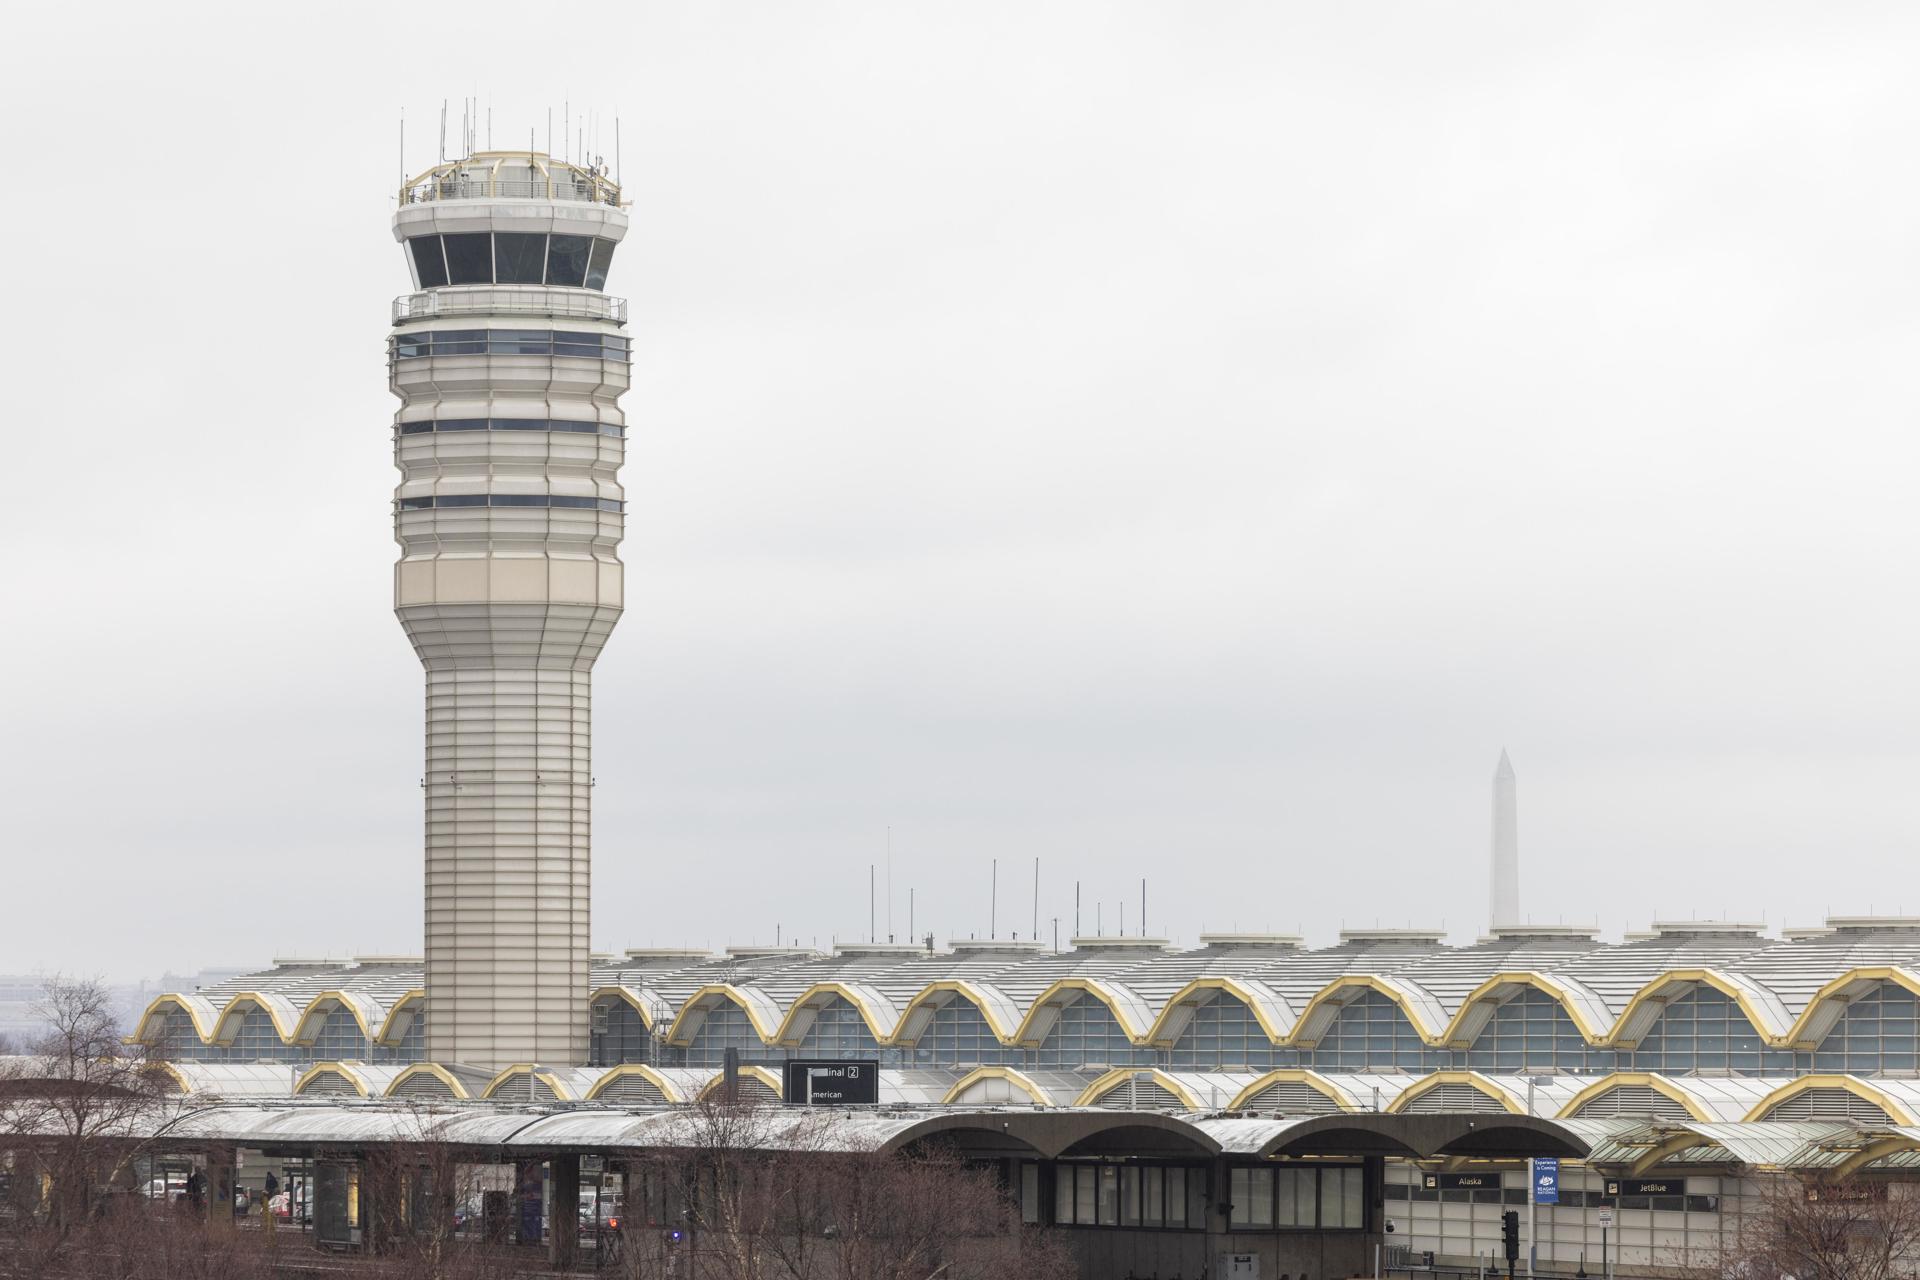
[(1181, 441)]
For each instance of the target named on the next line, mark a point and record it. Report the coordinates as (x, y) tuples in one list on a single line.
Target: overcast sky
[(1182, 441)]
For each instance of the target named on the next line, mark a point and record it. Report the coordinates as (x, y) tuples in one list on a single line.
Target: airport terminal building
[(1691, 1059)]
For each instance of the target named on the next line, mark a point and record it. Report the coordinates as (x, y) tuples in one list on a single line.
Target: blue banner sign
[(1546, 1179)]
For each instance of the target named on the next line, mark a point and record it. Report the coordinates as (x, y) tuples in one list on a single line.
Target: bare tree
[(71, 1113), (1847, 1229), (760, 1193)]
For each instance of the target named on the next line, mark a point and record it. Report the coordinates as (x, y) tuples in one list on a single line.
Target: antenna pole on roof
[(443, 131), (910, 932), (1143, 906), (870, 883), (889, 882), (616, 178), (1036, 899), (1076, 908), (993, 902)]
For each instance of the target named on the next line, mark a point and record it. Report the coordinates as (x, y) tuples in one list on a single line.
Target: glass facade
[(510, 257), (958, 1032), (1086, 1034), (838, 1031), (1532, 1030), (1224, 1035), (619, 1034), (509, 342), (1705, 1031), (511, 424), (1370, 1033), (445, 500), (1875, 1035)]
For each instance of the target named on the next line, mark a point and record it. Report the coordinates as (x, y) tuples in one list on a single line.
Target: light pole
[(1533, 1206)]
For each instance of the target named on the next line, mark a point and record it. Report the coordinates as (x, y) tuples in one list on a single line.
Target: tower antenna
[(403, 149), (443, 131), (616, 179)]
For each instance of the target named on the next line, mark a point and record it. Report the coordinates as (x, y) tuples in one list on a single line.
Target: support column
[(563, 1235), (221, 1180), (527, 1187)]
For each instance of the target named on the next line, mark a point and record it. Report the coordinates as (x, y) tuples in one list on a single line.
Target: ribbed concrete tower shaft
[(509, 361), (1504, 907)]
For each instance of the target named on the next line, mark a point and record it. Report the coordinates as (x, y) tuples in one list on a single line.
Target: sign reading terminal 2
[(841, 1083)]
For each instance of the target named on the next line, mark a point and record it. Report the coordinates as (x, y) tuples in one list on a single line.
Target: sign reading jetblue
[(1646, 1186), (1546, 1179), (839, 1083)]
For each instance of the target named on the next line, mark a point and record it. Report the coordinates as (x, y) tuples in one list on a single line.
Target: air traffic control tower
[(509, 360)]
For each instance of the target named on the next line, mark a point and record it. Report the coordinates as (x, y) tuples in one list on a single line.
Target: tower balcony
[(527, 300)]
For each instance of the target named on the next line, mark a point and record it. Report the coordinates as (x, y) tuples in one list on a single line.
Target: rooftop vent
[(1120, 942), (389, 962), (666, 955), (1253, 941), (1555, 932), (1026, 946), (1706, 929), (1430, 936), (1874, 924), (878, 949), (766, 953)]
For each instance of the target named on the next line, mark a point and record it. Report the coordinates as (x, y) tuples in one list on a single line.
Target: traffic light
[(1510, 1235)]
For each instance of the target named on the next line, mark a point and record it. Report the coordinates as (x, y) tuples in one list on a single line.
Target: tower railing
[(574, 185), (583, 304)]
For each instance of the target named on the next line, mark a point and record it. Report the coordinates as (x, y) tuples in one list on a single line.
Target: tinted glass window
[(461, 424), (518, 258), (570, 501), (567, 259), (428, 265), (470, 258), (461, 500), (597, 265)]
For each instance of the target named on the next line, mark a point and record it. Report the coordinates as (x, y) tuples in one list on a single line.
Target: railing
[(581, 304)]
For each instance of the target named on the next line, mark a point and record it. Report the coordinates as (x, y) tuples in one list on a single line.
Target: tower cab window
[(510, 257)]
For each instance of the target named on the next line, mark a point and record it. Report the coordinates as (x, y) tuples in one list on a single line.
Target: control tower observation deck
[(509, 361)]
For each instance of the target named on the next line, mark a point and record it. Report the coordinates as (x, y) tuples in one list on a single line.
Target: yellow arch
[(965, 990), (1454, 1037), (666, 1087), (433, 1069), (1703, 977), (153, 1010), (1658, 1083), (346, 1073), (1371, 982), (1026, 1038), (1472, 1079), (1295, 1075), (388, 1035), (1873, 1153), (784, 1035), (680, 1034), (1090, 1096), (1851, 1084), (1800, 1036), (1018, 1079), (762, 1074), (1158, 1035), (313, 1013), (553, 1082), (259, 1001), (1654, 1155), (623, 993), (179, 1077)]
